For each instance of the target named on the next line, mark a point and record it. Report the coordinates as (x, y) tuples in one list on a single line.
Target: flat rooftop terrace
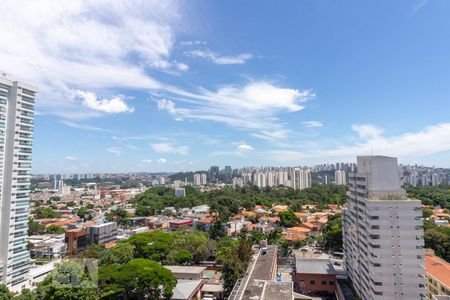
[(262, 270)]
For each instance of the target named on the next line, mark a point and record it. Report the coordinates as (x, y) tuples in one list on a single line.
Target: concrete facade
[(16, 137), (383, 233)]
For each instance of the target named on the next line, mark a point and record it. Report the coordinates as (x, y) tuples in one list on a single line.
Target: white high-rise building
[(300, 178), (197, 179), (383, 234), (435, 180), (425, 180), (16, 136), (260, 179), (203, 179), (413, 180), (339, 178), (270, 177)]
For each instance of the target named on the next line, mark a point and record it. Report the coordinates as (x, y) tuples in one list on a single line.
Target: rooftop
[(185, 288), (438, 268), (314, 266), (185, 269)]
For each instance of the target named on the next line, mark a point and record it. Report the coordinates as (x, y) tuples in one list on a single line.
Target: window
[(312, 282), (331, 282), (324, 283)]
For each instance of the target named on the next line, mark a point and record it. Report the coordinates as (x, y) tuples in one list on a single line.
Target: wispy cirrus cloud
[(219, 59), (114, 150), (312, 124), (84, 126), (169, 148), (430, 140), (254, 106)]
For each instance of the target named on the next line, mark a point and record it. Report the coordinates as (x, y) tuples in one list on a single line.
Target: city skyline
[(181, 87)]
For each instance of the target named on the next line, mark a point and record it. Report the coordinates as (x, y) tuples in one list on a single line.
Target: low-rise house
[(175, 224), (314, 276), (204, 224), (187, 272)]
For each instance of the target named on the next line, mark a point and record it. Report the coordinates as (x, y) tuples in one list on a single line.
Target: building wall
[(383, 234), (314, 283), (16, 134)]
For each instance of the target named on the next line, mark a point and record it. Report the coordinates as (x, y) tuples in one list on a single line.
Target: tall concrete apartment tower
[(16, 133), (383, 233)]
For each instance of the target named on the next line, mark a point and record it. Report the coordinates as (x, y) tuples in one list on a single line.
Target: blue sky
[(182, 85)]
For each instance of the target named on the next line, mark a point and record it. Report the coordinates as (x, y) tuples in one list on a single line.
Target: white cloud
[(244, 148), (313, 124), (430, 140), (220, 59), (114, 150), (132, 147), (146, 161), (166, 105), (253, 106), (113, 105), (72, 158), (169, 148), (162, 160), (98, 46), (241, 149), (367, 131)]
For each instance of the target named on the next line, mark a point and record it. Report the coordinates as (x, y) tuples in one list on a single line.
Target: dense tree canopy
[(138, 279), (67, 281), (332, 234), (288, 219), (227, 201), (431, 195)]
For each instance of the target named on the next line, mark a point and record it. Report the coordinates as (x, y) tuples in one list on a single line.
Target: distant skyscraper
[(340, 178), (425, 180), (260, 179), (413, 180), (435, 180), (383, 234), (300, 178), (203, 178), (228, 172), (16, 135), (197, 179), (213, 174)]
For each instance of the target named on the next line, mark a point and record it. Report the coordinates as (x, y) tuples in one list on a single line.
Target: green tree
[(152, 245), (25, 294), (67, 281), (55, 229), (83, 212), (35, 227), (426, 212), (332, 234), (288, 219), (234, 257), (138, 279), (179, 257), (5, 294), (44, 213), (121, 254)]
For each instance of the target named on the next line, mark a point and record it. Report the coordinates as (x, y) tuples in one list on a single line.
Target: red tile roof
[(438, 268)]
